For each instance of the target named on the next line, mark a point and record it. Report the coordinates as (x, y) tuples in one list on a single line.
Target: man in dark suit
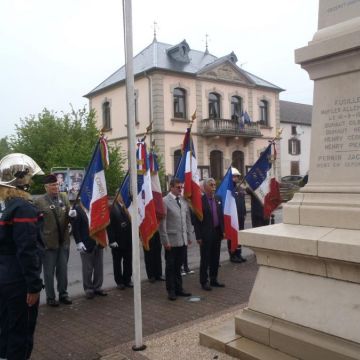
[(120, 242), (209, 233)]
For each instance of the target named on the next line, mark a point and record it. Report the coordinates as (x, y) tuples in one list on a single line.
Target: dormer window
[(179, 52)]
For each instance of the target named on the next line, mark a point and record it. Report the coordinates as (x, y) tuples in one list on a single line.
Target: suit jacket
[(204, 229), (176, 228), (50, 232), (80, 227), (119, 229)]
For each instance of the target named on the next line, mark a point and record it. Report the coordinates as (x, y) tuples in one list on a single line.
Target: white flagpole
[(128, 44)]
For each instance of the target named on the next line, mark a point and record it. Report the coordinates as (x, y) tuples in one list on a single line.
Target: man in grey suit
[(176, 232)]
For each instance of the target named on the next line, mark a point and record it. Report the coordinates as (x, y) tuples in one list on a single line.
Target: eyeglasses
[(212, 184), (179, 187)]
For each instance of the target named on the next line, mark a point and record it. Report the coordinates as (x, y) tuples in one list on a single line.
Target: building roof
[(165, 57), (295, 113)]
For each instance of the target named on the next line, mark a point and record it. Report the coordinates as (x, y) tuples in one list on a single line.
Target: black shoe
[(242, 258), (65, 300), (182, 293), (152, 279), (129, 285), (206, 287), (217, 284), (235, 259), (120, 286), (100, 293), (160, 278), (171, 296), (90, 295), (52, 303)]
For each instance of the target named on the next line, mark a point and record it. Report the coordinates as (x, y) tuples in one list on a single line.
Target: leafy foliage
[(65, 140), (4, 147)]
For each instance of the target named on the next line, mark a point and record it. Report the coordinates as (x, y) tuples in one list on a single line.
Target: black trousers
[(122, 265), (259, 221), (237, 252), (17, 322), (210, 257), (173, 260), (152, 258)]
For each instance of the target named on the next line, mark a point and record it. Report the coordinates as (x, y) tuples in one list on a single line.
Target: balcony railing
[(229, 128)]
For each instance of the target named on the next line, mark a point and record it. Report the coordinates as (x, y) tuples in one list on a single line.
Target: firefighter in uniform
[(20, 258)]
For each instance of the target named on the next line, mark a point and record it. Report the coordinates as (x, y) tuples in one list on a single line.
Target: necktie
[(178, 201)]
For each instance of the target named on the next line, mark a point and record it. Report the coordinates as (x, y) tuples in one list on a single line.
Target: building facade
[(295, 121), (236, 112)]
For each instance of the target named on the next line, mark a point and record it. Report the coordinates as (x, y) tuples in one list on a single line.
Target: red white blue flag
[(155, 186), (188, 174), (93, 194), (231, 221), (262, 182), (147, 220)]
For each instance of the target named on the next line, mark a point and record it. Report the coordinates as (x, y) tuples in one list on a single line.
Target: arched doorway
[(216, 164), (238, 161)]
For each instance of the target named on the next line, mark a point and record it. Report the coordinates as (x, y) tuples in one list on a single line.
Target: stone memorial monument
[(305, 303)]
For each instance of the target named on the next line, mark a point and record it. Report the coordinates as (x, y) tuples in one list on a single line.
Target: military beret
[(50, 179)]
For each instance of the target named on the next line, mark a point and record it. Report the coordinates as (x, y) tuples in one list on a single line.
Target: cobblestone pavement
[(89, 327)]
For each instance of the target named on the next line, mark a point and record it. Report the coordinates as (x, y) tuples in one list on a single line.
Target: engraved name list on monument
[(340, 134)]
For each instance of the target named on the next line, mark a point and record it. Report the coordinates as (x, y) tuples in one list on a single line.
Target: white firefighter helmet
[(17, 169), (235, 172)]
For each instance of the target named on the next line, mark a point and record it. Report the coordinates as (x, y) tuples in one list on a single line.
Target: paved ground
[(89, 327)]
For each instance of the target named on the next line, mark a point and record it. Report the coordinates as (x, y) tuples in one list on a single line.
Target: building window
[(238, 160), (216, 164), (177, 158), (106, 116), (294, 147), (264, 113), (179, 103), (214, 106), (236, 107), (293, 130), (294, 168)]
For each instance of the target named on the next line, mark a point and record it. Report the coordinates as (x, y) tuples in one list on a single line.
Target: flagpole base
[(139, 348)]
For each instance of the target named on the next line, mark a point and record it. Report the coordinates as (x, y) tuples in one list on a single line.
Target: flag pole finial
[(193, 118)]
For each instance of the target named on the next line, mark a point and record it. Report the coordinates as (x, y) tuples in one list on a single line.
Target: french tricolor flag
[(188, 174), (262, 181), (148, 224), (231, 222), (155, 186), (93, 194)]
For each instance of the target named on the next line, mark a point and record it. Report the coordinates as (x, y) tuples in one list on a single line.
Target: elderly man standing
[(176, 232), (55, 207), (209, 233)]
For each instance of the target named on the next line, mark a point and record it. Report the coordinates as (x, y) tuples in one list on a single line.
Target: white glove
[(114, 245), (72, 213), (80, 247)]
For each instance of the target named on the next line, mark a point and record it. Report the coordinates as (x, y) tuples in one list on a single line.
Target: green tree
[(62, 140), (4, 147)]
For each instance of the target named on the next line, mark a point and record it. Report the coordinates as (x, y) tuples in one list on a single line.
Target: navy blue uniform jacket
[(20, 244)]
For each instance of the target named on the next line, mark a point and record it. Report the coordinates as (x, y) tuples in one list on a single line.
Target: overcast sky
[(53, 52)]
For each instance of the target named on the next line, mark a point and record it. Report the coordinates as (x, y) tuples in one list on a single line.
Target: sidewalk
[(89, 328)]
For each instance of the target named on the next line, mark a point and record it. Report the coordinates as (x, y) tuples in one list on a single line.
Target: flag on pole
[(231, 221), (262, 182), (247, 119), (93, 194), (148, 223), (155, 186), (187, 173)]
